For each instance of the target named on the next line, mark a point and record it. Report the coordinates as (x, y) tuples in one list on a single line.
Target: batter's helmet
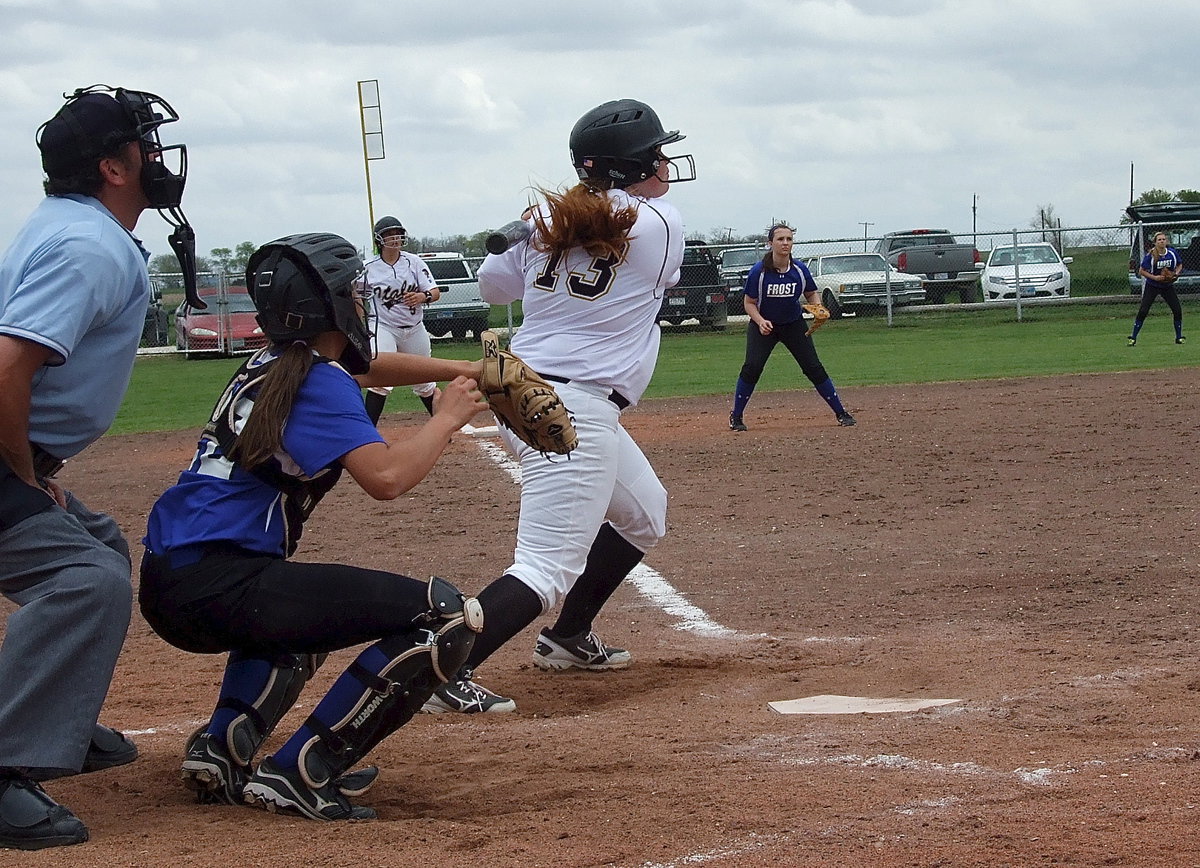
[(620, 143), (96, 121), (304, 285), (388, 224)]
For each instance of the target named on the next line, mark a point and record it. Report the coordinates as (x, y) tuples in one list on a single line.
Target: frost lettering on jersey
[(781, 290), (589, 284)]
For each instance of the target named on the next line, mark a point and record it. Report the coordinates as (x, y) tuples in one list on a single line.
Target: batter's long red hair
[(582, 216)]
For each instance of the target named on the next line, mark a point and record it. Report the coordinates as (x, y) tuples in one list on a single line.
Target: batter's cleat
[(276, 789), (210, 772), (31, 820), (846, 420), (1132, 341), (736, 423), (466, 697), (584, 651), (1180, 339)]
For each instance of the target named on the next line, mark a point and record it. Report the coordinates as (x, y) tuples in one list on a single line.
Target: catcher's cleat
[(31, 820), (1132, 341), (846, 420), (210, 771), (276, 789), (109, 748), (736, 423), (1180, 339), (584, 651), (466, 697)]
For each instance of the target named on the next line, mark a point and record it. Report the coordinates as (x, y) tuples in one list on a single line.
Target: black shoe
[(736, 423), (109, 748), (277, 789), (210, 771), (1180, 339), (1132, 341), (846, 420), (31, 820)]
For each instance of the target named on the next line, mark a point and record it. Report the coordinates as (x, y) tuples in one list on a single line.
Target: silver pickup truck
[(943, 264)]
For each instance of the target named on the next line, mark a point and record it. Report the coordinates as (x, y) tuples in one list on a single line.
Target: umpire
[(74, 291)]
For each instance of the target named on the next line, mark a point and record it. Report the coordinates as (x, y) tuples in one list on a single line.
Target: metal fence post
[(1017, 272)]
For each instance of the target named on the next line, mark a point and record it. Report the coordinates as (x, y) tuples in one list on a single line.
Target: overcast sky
[(828, 113)]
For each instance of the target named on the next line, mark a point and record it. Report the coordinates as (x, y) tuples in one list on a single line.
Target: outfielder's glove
[(1167, 276), (523, 401), (820, 315)]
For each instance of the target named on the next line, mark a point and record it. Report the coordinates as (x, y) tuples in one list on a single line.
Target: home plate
[(830, 704)]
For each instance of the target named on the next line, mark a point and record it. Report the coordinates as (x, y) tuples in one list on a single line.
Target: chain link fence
[(1014, 268)]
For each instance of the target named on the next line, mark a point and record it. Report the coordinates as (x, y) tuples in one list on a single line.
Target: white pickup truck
[(943, 264)]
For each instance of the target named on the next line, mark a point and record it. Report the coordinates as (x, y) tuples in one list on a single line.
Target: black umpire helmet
[(388, 224), (96, 122), (619, 143), (304, 285)]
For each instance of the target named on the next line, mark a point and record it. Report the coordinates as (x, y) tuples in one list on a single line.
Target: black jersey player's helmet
[(388, 224), (620, 143), (303, 285)]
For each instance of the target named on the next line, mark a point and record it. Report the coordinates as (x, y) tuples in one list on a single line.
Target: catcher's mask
[(620, 143), (307, 284), (385, 225), (96, 122)]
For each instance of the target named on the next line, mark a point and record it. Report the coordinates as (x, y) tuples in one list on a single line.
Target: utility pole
[(864, 224)]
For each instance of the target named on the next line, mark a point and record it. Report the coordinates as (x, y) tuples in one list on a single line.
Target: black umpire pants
[(791, 334)]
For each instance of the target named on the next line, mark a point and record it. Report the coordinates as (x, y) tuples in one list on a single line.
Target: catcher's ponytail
[(262, 435)]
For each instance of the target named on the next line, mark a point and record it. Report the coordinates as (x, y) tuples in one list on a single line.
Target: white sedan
[(848, 281), (1042, 272)]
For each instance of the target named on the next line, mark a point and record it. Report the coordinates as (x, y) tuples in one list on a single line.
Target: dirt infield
[(1026, 546)]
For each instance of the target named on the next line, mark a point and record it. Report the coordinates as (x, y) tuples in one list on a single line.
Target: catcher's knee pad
[(418, 661), (289, 673)]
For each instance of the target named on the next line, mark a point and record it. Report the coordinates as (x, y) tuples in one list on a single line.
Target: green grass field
[(168, 392)]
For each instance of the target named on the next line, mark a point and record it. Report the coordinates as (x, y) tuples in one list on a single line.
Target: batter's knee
[(649, 525)]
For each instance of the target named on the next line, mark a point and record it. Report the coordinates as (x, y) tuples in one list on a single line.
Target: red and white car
[(226, 327)]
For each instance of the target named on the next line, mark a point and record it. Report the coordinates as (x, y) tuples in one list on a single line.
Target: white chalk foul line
[(648, 581)]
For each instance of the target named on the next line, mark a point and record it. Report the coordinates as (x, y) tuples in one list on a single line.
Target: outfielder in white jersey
[(401, 286), (591, 279)]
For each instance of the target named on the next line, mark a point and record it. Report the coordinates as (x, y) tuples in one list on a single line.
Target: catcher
[(1160, 268), (778, 290), (217, 576)]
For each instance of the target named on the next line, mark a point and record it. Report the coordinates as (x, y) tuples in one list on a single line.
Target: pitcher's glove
[(1167, 276), (820, 315), (523, 401)]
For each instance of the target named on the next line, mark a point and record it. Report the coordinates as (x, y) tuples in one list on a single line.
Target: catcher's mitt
[(1167, 276), (523, 401), (820, 315)]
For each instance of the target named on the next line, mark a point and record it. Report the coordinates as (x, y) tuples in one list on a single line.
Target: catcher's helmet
[(304, 285), (97, 120), (620, 143), (388, 224)]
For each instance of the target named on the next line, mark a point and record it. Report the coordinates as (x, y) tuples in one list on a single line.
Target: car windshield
[(740, 257), (1042, 254), (449, 270), (694, 255), (925, 239), (846, 264), (232, 302)]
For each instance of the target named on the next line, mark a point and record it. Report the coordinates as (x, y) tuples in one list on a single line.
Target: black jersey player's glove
[(820, 315), (523, 401)]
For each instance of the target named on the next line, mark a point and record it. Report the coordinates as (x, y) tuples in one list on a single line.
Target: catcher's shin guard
[(417, 662), (287, 677)]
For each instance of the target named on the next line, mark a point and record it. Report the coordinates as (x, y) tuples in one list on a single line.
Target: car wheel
[(970, 293), (831, 304)]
